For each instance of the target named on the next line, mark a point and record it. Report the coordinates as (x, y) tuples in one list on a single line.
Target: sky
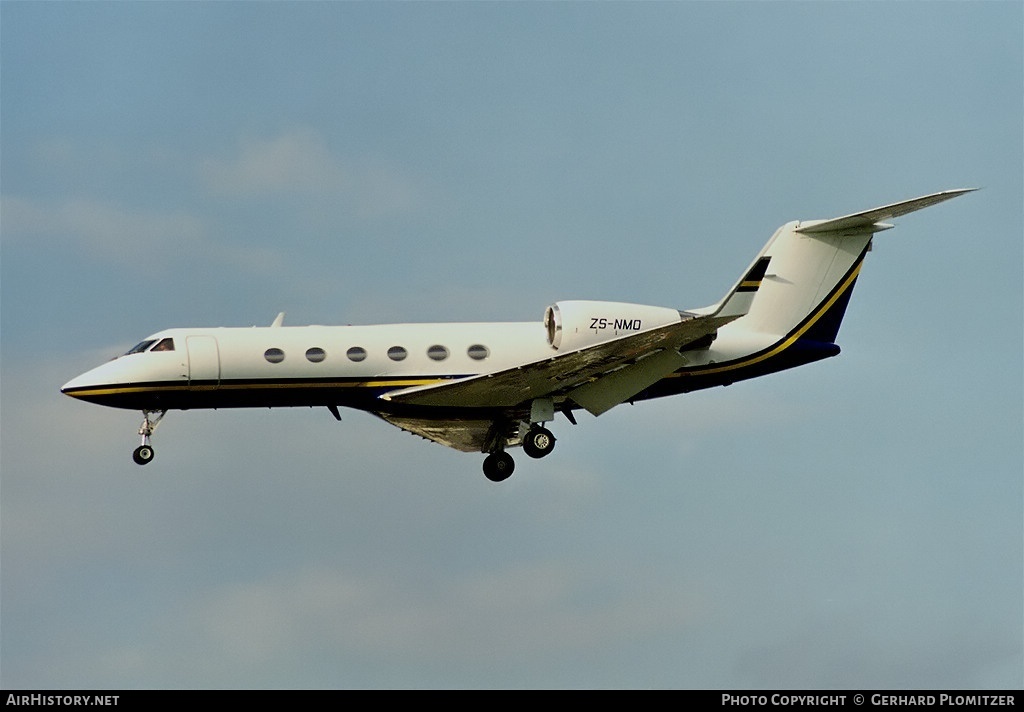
[(856, 523)]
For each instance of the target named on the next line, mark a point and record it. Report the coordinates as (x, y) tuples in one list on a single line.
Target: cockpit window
[(165, 345), (140, 347)]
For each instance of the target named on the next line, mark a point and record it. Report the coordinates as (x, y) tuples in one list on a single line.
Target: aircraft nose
[(87, 385), (121, 383), (74, 387)]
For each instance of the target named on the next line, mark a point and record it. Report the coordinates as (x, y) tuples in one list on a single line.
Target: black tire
[(143, 454), (499, 466), (538, 442)]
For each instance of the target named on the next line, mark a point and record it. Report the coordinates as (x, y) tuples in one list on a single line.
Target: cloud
[(508, 611), (299, 164), (294, 170), (294, 162), (857, 649), (124, 235), (105, 229)]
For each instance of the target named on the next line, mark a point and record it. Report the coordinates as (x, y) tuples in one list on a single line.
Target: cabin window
[(316, 354), (356, 353), (164, 345), (274, 355), (397, 353), (140, 347), (478, 352), (437, 352)]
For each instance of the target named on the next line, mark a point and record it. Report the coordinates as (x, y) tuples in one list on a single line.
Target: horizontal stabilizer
[(870, 220)]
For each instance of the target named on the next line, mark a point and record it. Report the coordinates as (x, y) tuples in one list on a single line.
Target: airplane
[(488, 387)]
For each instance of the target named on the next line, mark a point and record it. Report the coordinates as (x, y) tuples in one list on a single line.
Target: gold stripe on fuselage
[(120, 390)]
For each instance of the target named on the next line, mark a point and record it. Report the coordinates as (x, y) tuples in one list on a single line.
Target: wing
[(596, 377)]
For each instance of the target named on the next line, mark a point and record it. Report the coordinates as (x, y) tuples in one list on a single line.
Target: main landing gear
[(144, 453), (538, 442)]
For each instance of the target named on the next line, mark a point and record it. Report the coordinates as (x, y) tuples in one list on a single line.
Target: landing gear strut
[(144, 452)]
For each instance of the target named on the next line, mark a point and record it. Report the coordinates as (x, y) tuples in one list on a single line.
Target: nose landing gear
[(143, 454)]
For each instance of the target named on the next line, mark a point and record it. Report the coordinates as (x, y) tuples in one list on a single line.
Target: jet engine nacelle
[(575, 324)]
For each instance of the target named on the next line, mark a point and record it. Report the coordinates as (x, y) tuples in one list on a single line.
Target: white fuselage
[(327, 365)]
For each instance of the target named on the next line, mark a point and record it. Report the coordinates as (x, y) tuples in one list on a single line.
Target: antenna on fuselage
[(279, 319)]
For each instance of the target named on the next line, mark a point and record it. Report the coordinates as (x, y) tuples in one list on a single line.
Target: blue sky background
[(856, 523)]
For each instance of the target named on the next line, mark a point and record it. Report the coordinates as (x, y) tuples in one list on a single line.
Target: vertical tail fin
[(811, 276)]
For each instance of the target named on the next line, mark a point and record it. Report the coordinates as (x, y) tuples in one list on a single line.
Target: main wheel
[(143, 454), (498, 466), (538, 442)]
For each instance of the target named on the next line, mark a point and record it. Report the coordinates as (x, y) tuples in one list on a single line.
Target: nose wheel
[(143, 454)]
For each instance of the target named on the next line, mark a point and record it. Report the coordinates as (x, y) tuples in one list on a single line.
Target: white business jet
[(488, 387)]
